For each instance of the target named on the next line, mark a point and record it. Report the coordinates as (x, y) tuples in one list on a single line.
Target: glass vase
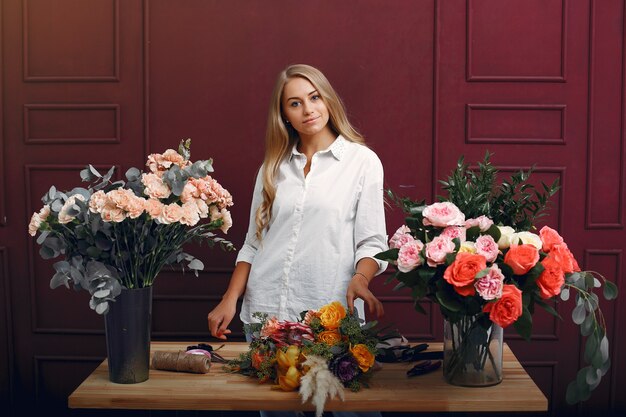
[(472, 352)]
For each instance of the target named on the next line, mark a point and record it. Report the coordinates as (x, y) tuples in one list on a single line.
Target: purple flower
[(344, 367)]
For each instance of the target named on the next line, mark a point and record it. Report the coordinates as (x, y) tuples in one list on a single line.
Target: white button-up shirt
[(321, 226)]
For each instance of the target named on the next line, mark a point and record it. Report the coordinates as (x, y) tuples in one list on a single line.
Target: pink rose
[(401, 237), (155, 187), (442, 215), (437, 249), (409, 255), (483, 223), (487, 247), (490, 286), (455, 232)]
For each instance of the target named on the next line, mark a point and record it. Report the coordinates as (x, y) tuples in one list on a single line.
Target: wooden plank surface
[(390, 390)]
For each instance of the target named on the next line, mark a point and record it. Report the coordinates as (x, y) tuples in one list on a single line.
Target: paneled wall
[(538, 82)]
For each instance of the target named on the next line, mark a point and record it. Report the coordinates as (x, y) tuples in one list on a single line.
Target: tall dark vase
[(127, 327)]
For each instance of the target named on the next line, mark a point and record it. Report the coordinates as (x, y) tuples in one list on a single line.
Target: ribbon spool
[(181, 362)]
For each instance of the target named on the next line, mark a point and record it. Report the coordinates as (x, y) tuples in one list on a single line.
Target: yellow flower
[(330, 337), (468, 247), (331, 314), (287, 359), (363, 356), (291, 380)]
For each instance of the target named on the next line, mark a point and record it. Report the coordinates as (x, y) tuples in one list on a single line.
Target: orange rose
[(363, 356), (552, 278), (462, 272), (257, 359), (507, 309), (331, 315), (549, 238), (564, 257), (330, 337), (521, 258)]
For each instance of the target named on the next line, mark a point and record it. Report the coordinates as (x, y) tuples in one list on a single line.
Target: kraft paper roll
[(181, 362)]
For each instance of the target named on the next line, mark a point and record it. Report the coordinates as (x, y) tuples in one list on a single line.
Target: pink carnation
[(38, 219), (155, 187), (490, 286), (437, 249), (454, 232), (487, 247), (409, 255), (483, 223), (443, 215), (401, 237), (172, 213)]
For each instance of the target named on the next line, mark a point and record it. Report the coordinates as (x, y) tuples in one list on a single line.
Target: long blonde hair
[(281, 137)]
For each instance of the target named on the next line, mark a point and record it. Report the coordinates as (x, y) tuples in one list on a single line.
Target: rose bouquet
[(486, 275), (120, 234), (319, 355)]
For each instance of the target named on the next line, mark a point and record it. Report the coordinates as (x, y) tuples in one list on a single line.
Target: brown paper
[(181, 362)]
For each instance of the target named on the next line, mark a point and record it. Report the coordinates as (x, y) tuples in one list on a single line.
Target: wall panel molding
[(29, 61), (68, 361), (3, 173), (524, 114), (472, 76), (52, 117), (33, 251), (605, 137), (9, 359), (554, 372)]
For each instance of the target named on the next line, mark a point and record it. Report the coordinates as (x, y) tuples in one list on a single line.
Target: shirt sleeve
[(251, 244), (370, 233)]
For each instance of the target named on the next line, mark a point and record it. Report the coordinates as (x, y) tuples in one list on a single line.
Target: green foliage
[(515, 202)]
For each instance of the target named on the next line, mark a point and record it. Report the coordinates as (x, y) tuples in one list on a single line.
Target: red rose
[(462, 273), (507, 309), (521, 258), (552, 278)]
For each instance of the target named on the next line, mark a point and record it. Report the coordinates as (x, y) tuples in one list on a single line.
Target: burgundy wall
[(108, 81)]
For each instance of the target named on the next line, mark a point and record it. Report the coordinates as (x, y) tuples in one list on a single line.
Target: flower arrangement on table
[(121, 234), (319, 355), (474, 255)]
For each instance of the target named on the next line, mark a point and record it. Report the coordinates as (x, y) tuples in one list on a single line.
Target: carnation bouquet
[(319, 355), (115, 235), (477, 255)]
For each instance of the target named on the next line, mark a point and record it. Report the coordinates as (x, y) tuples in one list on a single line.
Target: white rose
[(527, 238), (505, 236)]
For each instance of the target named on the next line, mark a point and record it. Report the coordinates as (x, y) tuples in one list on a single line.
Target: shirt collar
[(337, 148)]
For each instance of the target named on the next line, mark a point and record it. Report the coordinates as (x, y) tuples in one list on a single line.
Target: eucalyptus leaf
[(591, 346), (604, 348), (587, 326), (102, 308), (133, 174), (565, 294), (102, 293), (196, 264), (578, 314), (610, 290), (94, 171), (593, 376)]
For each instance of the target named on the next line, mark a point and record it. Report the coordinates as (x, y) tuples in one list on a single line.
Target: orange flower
[(507, 309), (287, 359), (564, 257), (549, 238), (462, 272), (330, 337), (521, 258), (552, 278), (257, 359), (331, 315), (363, 356)]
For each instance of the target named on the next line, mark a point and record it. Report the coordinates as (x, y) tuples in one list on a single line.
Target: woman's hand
[(220, 317), (358, 288)]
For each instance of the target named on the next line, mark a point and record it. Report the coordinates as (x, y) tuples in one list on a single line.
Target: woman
[(317, 216)]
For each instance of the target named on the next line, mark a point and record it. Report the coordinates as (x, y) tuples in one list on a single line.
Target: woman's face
[(304, 108)]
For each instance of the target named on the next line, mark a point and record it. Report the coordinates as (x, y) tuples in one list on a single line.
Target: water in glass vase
[(472, 352)]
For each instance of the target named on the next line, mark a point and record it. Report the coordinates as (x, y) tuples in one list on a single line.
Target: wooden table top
[(390, 390)]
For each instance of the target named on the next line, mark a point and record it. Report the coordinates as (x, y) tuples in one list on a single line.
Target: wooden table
[(390, 390)]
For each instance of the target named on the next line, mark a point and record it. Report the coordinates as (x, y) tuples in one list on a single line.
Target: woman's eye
[(315, 97), (294, 104)]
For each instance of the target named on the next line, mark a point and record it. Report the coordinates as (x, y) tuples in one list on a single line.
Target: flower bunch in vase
[(479, 257), (120, 234), (319, 355)]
